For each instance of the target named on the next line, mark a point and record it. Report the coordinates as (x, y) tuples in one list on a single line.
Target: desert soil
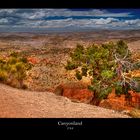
[(15, 103)]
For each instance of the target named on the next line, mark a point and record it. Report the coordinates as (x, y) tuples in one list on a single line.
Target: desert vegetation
[(13, 70), (108, 65)]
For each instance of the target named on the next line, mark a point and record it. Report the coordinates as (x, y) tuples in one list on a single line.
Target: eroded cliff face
[(120, 103), (75, 91), (78, 92)]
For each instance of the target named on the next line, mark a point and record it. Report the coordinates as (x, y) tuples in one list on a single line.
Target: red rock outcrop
[(121, 102), (33, 60), (76, 91), (115, 102), (135, 99)]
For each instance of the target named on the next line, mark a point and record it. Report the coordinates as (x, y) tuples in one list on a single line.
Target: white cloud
[(102, 21), (3, 21), (92, 23), (36, 18), (42, 13), (94, 13), (33, 14), (37, 15), (131, 22), (8, 11)]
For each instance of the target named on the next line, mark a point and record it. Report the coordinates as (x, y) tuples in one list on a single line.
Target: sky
[(26, 20)]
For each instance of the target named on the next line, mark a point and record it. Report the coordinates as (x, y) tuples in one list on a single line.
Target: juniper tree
[(107, 65)]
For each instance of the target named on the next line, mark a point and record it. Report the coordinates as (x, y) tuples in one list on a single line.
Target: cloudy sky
[(68, 19)]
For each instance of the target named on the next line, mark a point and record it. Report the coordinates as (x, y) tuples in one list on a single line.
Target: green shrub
[(70, 66), (14, 69), (3, 76), (78, 75)]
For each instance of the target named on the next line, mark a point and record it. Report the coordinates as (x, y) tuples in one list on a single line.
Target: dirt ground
[(15, 103)]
